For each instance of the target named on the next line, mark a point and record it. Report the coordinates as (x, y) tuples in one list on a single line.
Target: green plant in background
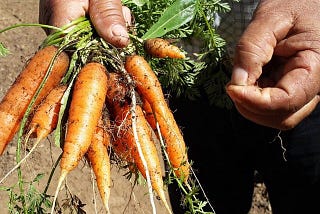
[(32, 202), (191, 24)]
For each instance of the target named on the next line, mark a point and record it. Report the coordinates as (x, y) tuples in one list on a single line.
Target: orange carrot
[(149, 150), (44, 121), (85, 110), (150, 89), (116, 89), (116, 97), (149, 115), (15, 102), (45, 117), (100, 162), (125, 145), (161, 48)]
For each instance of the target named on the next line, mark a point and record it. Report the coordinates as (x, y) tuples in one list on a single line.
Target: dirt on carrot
[(16, 100), (85, 110), (100, 162), (161, 48), (150, 89)]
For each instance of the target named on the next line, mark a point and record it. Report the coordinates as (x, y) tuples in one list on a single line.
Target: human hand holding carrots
[(109, 17), (276, 79)]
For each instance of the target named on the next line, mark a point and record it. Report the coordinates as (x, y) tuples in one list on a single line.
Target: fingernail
[(239, 76), (119, 30)]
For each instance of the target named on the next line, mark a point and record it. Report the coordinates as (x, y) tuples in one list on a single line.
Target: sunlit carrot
[(43, 122), (150, 89), (161, 48), (126, 145), (85, 110), (149, 150), (16, 100), (100, 162), (149, 115)]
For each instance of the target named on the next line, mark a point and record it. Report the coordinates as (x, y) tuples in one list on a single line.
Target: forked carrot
[(150, 89), (126, 145), (15, 102), (44, 121), (100, 162), (85, 110), (149, 150), (161, 48)]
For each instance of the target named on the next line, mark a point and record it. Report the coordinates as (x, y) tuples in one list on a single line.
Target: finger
[(108, 19), (260, 101), (282, 122), (298, 84), (59, 13), (255, 47)]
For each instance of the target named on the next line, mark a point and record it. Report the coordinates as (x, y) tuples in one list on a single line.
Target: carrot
[(15, 102), (117, 90), (116, 96), (100, 162), (125, 145), (45, 118), (150, 89), (161, 48), (149, 115), (85, 110), (44, 121), (149, 150)]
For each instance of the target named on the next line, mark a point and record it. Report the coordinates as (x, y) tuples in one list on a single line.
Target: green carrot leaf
[(3, 50), (178, 14)]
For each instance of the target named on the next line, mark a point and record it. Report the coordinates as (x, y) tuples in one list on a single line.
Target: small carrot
[(149, 150), (15, 102), (45, 118), (161, 48), (44, 121), (100, 162), (150, 89), (85, 110)]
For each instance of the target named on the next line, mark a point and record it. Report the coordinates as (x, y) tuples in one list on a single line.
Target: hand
[(108, 16), (276, 76)]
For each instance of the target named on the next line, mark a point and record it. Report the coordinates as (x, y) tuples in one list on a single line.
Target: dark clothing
[(227, 150)]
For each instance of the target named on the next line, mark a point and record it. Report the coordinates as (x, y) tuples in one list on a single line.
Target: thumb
[(108, 19), (256, 45)]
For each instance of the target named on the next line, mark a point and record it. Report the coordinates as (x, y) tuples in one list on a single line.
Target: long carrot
[(126, 145), (21, 92), (100, 162), (85, 110), (161, 48), (149, 150), (44, 121), (150, 89)]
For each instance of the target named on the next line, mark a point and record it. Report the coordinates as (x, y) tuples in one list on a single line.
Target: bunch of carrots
[(99, 100)]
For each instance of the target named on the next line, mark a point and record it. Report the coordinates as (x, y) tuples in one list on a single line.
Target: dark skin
[(276, 76)]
